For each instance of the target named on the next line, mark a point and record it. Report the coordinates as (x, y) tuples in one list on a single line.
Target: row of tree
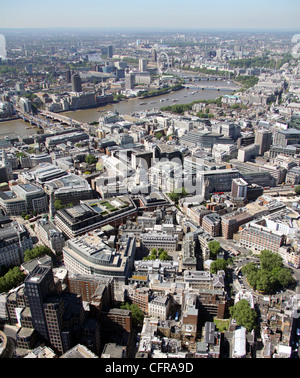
[(261, 62), (160, 254), (181, 108)]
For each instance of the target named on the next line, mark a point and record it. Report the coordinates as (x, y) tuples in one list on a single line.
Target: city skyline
[(190, 14)]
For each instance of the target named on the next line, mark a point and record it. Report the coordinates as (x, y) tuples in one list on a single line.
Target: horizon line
[(148, 29)]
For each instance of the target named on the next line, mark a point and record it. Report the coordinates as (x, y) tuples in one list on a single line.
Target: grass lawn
[(222, 324)]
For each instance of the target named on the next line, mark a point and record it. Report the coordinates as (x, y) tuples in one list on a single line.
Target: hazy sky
[(155, 14)]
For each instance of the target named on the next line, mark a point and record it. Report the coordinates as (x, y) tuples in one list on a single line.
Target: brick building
[(211, 223), (230, 223), (258, 237)]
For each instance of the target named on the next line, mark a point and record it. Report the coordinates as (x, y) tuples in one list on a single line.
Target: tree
[(176, 195), (297, 189), (37, 251), (154, 254), (164, 256), (11, 279), (58, 205), (219, 264), (285, 277), (91, 159), (243, 314), (214, 248), (270, 260), (270, 275), (136, 313)]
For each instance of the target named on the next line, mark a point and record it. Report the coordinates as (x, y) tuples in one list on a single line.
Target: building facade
[(50, 235), (14, 241)]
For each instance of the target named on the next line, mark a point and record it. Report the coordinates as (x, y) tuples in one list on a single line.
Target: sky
[(152, 14)]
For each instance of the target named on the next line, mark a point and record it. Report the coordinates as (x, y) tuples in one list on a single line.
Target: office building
[(143, 267), (25, 105), (142, 65), (231, 222), (263, 138), (38, 286), (219, 180), (79, 351), (204, 139), (110, 51), (69, 189), (247, 153), (227, 129), (239, 188), (211, 223), (289, 151), (157, 240), (92, 288), (91, 255), (80, 100), (129, 80), (142, 78), (26, 198), (293, 176), (286, 137), (42, 173), (256, 236), (76, 82), (198, 279), (138, 295), (92, 214), (58, 317), (117, 320), (73, 137)]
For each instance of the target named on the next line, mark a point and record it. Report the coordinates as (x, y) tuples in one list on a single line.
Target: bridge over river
[(42, 119)]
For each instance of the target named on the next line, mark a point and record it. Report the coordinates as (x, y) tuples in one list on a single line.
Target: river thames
[(183, 96)]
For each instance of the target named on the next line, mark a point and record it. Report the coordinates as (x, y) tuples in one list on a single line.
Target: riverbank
[(161, 92), (128, 106), (9, 119)]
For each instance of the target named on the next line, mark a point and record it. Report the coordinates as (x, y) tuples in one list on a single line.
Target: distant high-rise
[(68, 76), (129, 80), (142, 65), (109, 51), (76, 83), (155, 56)]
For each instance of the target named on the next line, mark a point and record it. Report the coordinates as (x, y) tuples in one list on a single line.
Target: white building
[(239, 343), (159, 306), (159, 240), (15, 241), (50, 235), (26, 198)]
